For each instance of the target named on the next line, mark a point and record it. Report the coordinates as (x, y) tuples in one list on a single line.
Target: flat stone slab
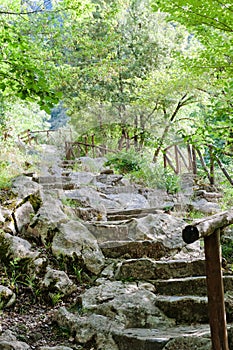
[(150, 269), (109, 232), (134, 249), (195, 337), (131, 213), (190, 309), (190, 285)]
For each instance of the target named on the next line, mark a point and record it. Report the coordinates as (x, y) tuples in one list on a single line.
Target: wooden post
[(86, 146), (216, 305)]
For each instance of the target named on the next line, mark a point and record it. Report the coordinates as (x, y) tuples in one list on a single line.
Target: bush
[(126, 162)]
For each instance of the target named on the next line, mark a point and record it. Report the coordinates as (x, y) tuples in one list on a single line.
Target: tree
[(209, 20), (31, 36), (122, 72)]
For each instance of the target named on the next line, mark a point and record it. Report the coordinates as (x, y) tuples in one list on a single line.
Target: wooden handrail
[(205, 227), (210, 229)]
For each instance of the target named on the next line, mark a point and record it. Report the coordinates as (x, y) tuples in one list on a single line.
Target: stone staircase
[(176, 282)]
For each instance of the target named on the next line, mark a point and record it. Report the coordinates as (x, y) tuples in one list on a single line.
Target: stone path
[(149, 289), (176, 279)]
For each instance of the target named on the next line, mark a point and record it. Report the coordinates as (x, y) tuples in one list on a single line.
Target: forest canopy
[(135, 73)]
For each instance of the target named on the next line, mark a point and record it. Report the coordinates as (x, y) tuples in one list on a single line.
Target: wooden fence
[(85, 147), (179, 161), (32, 136)]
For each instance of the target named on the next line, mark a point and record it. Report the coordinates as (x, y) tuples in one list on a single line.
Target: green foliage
[(211, 21), (227, 250), (170, 182), (227, 201), (78, 273), (56, 298), (126, 161), (69, 202)]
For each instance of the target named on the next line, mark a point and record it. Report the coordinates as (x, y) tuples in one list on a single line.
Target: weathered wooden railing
[(174, 152), (85, 147), (28, 135), (210, 229), (177, 159)]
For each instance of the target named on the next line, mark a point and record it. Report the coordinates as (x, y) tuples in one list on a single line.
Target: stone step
[(55, 182), (180, 337), (105, 232), (192, 285), (58, 185), (134, 249), (150, 269), (189, 308), (106, 189), (120, 215)]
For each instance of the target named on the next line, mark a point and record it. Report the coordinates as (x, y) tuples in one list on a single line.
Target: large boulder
[(13, 247), (110, 308), (73, 240), (155, 236), (92, 328), (24, 186), (49, 216), (131, 305)]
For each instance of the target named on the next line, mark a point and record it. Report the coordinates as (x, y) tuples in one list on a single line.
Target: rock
[(126, 303), (163, 228), (95, 328), (128, 200), (23, 186), (82, 178), (155, 236), (74, 240), (58, 281), (205, 207), (92, 164), (23, 216), (15, 247), (191, 343), (149, 269), (7, 297), (162, 338), (48, 217), (87, 197), (9, 341), (109, 179), (4, 214)]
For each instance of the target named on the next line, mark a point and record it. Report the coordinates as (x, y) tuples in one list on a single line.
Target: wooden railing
[(211, 229), (85, 147), (28, 136), (189, 158)]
